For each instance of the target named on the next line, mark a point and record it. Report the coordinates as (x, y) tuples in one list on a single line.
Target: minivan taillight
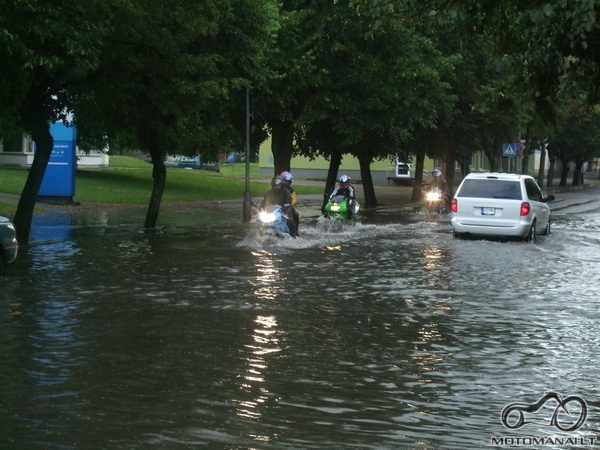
[(454, 205), (525, 209)]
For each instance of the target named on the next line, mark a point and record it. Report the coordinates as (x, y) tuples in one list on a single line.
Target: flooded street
[(389, 334)]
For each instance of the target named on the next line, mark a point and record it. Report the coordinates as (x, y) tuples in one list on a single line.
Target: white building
[(19, 151)]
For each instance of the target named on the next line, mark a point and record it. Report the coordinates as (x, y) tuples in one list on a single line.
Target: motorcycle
[(436, 201), (273, 222), (338, 209)]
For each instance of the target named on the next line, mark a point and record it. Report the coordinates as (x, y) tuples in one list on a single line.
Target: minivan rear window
[(491, 189)]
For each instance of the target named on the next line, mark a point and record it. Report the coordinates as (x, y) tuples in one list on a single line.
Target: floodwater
[(199, 334)]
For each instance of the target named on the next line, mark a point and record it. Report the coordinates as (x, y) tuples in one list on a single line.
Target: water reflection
[(265, 341), (432, 257), (270, 282), (51, 235)]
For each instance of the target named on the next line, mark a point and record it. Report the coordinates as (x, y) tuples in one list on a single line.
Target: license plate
[(488, 211)]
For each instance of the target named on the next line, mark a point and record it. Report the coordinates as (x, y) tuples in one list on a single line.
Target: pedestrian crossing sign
[(509, 150)]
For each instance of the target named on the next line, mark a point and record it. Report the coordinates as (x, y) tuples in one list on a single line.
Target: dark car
[(8, 242), (189, 162)]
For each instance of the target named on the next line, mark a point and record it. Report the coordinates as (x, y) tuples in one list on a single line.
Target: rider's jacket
[(292, 192), (346, 191), (439, 182), (277, 196)]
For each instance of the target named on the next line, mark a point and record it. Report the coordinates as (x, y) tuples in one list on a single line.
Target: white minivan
[(500, 204)]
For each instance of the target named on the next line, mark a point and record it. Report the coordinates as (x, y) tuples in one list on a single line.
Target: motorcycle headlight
[(335, 207), (266, 217), (433, 196)]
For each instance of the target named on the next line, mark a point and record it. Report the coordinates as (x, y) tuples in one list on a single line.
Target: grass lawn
[(7, 210), (129, 180)]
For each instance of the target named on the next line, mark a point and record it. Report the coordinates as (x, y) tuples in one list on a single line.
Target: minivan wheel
[(548, 230), (531, 236)]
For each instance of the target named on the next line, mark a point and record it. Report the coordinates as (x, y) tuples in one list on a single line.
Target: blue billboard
[(59, 179)]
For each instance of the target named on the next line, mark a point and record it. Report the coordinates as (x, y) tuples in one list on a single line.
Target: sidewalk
[(571, 196), (9, 199), (565, 196), (400, 196)]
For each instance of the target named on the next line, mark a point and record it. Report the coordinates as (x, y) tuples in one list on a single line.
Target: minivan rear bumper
[(520, 229)]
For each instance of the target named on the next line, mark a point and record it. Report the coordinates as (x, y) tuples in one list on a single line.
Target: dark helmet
[(286, 176), (276, 181), (344, 180)]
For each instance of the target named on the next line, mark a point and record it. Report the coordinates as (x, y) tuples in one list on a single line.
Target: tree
[(172, 75), (480, 119), (378, 86), (280, 99), (46, 48), (576, 138), (551, 46)]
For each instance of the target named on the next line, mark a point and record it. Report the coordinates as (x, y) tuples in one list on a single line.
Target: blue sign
[(59, 179), (509, 150)]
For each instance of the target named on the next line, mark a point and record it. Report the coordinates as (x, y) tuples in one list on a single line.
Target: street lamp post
[(247, 208)]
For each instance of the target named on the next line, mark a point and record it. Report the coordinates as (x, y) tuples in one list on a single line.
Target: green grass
[(7, 210), (239, 170), (129, 180), (127, 162), (134, 186), (12, 180)]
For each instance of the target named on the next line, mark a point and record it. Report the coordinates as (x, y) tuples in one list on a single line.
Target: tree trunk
[(465, 169), (491, 157), (159, 175), (578, 174), (552, 161), (450, 159), (367, 181), (332, 172), (24, 214), (542, 167), (282, 145), (550, 176), (417, 192), (334, 165), (564, 173), (525, 164)]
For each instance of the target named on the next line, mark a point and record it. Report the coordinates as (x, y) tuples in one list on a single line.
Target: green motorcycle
[(338, 209)]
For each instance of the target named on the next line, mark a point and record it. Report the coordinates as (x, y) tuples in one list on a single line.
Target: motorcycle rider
[(278, 195), (287, 184), (438, 181), (346, 189)]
